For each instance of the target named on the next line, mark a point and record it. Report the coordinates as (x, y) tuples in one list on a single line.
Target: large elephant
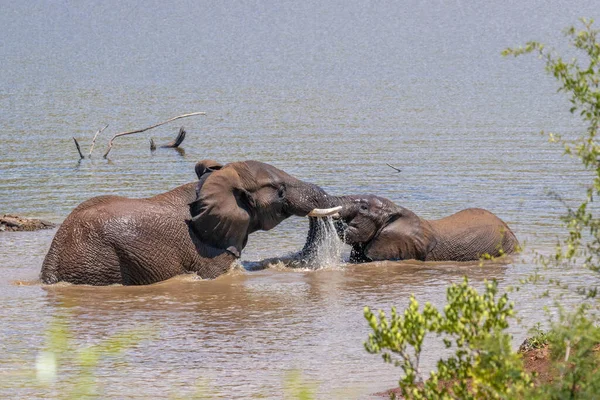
[(378, 229), (200, 227)]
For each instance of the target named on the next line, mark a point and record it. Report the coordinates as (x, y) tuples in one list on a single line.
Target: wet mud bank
[(15, 223)]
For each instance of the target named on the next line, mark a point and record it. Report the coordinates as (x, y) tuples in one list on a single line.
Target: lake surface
[(329, 93)]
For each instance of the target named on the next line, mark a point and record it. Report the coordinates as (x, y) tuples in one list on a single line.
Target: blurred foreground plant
[(61, 364), (296, 387), (65, 370)]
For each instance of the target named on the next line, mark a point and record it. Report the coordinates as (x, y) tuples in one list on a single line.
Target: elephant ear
[(402, 238), (207, 166), (221, 213)]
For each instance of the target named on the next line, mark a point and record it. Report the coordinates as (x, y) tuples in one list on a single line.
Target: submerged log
[(174, 144), (177, 141), (10, 222)]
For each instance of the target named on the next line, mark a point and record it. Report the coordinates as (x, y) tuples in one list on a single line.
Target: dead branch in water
[(177, 141), (110, 143), (173, 144), (392, 167), (99, 131), (78, 148)]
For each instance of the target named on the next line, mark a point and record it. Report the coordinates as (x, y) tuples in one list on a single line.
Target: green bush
[(580, 80), (483, 364), (473, 325), (573, 343)]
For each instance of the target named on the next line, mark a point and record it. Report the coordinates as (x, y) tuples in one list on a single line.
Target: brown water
[(329, 93)]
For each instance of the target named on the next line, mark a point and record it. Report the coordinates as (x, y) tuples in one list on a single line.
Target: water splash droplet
[(323, 248)]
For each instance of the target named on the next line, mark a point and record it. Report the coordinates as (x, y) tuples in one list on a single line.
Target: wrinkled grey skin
[(378, 230), (200, 227)]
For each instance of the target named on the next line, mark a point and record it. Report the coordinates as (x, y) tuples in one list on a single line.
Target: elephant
[(378, 229), (199, 227)]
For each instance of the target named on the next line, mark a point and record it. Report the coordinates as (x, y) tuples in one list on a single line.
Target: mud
[(15, 223)]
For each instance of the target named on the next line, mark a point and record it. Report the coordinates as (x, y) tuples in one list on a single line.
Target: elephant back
[(471, 234)]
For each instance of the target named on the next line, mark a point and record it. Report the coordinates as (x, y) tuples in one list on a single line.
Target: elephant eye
[(281, 192), (364, 207)]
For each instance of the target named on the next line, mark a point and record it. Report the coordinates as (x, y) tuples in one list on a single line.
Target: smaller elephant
[(378, 229)]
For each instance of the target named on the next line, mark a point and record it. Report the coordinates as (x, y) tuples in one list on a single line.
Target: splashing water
[(323, 248)]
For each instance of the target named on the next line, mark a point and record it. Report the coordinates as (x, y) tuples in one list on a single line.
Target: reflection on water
[(329, 93)]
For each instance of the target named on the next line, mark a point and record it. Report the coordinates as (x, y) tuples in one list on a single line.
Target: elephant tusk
[(324, 212)]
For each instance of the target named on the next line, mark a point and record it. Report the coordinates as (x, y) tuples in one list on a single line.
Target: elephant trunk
[(309, 200)]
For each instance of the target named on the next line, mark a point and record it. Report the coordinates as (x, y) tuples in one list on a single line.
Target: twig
[(392, 167), (110, 143), (178, 140), (78, 148), (94, 140)]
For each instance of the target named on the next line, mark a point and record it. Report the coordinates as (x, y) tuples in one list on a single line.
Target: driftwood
[(99, 131), (174, 144), (177, 141), (110, 142), (78, 148), (9, 222)]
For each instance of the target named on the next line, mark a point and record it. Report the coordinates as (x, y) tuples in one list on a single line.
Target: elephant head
[(378, 229), (240, 198)]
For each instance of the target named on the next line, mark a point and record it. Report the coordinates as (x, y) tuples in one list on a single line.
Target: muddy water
[(329, 93)]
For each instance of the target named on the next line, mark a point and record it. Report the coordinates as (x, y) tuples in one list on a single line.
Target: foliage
[(65, 370), (580, 80), (538, 339), (296, 387), (62, 365), (574, 343), (482, 365), (574, 338)]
